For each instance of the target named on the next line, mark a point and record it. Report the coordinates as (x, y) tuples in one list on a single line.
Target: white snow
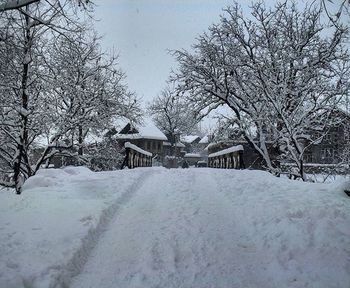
[(189, 138), (93, 138), (226, 151), (155, 227), (45, 232), (138, 149), (192, 155), (177, 144), (204, 140)]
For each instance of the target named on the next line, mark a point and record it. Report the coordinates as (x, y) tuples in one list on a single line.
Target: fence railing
[(230, 158), (136, 157)]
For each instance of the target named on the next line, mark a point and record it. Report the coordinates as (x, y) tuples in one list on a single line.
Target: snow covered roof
[(192, 155), (147, 130), (204, 140), (93, 138), (226, 151), (41, 141), (189, 138), (210, 145), (178, 144)]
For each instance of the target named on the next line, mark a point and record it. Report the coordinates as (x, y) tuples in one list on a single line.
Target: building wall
[(178, 151), (332, 148)]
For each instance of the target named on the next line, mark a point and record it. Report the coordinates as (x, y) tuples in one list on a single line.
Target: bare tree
[(88, 87), (7, 5), (277, 72), (172, 115), (25, 34)]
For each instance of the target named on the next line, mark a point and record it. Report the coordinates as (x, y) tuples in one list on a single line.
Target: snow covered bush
[(105, 156)]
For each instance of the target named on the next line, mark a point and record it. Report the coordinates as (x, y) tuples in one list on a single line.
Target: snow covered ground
[(327, 178), (153, 227)]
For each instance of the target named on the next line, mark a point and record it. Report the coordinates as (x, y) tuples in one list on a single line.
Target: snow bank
[(53, 177), (342, 186), (227, 151)]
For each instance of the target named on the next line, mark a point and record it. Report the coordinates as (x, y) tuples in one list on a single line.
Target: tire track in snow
[(173, 234), (146, 246), (74, 267)]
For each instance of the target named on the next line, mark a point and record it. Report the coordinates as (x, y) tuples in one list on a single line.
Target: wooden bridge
[(229, 158), (136, 157)]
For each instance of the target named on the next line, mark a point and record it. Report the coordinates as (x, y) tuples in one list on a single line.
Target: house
[(205, 141), (177, 150), (146, 136), (192, 158), (334, 145), (63, 157), (191, 142)]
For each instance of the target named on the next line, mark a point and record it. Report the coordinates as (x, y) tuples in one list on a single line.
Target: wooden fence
[(230, 158), (136, 157)]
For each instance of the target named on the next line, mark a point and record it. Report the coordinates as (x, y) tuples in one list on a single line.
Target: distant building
[(192, 158), (191, 142), (178, 149), (334, 146), (146, 136)]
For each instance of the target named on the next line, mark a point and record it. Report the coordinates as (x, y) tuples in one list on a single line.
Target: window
[(327, 152), (308, 157)]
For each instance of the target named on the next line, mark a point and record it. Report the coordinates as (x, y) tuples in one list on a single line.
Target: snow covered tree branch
[(276, 71), (35, 92), (15, 4), (6, 5), (171, 114)]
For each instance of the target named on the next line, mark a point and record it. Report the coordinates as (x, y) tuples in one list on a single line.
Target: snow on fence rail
[(136, 157), (230, 158)]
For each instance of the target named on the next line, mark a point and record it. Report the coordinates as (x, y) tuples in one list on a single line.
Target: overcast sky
[(141, 31)]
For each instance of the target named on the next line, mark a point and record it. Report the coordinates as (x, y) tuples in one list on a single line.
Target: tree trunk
[(23, 138), (80, 141), (301, 170), (172, 144)]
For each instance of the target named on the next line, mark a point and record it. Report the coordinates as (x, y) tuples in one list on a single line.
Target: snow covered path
[(188, 228), (153, 227), (167, 236)]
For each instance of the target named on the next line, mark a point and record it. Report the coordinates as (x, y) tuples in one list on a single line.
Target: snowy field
[(152, 227)]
